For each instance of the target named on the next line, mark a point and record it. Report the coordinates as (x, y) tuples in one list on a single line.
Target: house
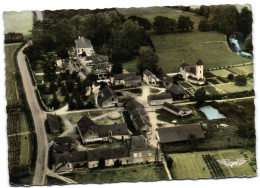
[(62, 144), (193, 74), (83, 47), (180, 133), (177, 91), (149, 78), (164, 78), (107, 98), (138, 116), (90, 132), (141, 152), (159, 99), (176, 110), (125, 80), (101, 70), (53, 124)]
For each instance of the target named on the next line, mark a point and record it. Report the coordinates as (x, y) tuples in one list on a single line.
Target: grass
[(130, 66), (192, 165), (173, 49), (137, 91), (221, 72), (247, 69), (229, 88), (185, 84), (19, 22), (154, 90), (211, 90), (213, 81), (107, 121), (235, 70), (133, 173)]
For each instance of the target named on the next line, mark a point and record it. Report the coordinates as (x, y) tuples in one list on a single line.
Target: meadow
[(194, 166)]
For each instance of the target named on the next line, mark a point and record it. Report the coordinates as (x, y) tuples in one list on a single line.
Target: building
[(125, 80), (193, 74), (107, 98), (83, 47), (180, 133), (101, 70), (177, 91), (159, 99), (164, 78), (53, 123), (149, 78), (90, 132), (176, 110), (138, 116)]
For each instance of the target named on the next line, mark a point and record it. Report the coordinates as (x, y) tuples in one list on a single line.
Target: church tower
[(199, 70)]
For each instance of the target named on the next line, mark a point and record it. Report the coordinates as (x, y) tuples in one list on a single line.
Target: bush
[(13, 37), (241, 80), (230, 77)]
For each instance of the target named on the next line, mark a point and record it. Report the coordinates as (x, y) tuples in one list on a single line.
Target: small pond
[(212, 113)]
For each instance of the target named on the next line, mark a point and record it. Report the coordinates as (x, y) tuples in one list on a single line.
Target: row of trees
[(164, 25), (225, 18)]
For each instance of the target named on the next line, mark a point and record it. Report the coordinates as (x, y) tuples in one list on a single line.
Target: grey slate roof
[(82, 42), (172, 107), (116, 129), (161, 96), (199, 62), (108, 153), (175, 89), (107, 92), (149, 73), (164, 77), (180, 133), (77, 156), (53, 123), (128, 76), (61, 148), (138, 143), (84, 124), (62, 140)]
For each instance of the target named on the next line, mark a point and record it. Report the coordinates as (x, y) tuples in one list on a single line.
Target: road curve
[(38, 118)]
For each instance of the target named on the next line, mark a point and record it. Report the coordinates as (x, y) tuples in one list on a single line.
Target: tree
[(241, 80), (248, 46), (231, 76), (145, 23), (72, 104), (169, 161), (76, 21), (185, 24), (117, 68), (200, 96), (90, 79), (203, 25), (50, 66), (53, 87), (117, 163), (147, 59), (55, 103), (101, 163), (245, 21), (164, 25)]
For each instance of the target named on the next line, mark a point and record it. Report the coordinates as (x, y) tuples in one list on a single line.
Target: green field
[(19, 22), (108, 121), (247, 69), (221, 72), (211, 90), (193, 166), (134, 173), (235, 70), (229, 88)]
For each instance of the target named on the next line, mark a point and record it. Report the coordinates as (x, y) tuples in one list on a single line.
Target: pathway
[(67, 180)]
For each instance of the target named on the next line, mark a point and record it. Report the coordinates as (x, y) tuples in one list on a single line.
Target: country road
[(38, 118)]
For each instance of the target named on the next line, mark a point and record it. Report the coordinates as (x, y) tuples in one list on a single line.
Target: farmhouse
[(149, 78), (193, 74), (159, 99), (176, 91), (101, 70), (53, 123), (138, 116), (107, 98), (176, 110), (126, 80), (180, 133), (164, 78), (90, 132), (84, 47)]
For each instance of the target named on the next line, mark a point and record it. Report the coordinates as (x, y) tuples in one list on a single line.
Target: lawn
[(19, 22), (193, 166), (108, 121), (212, 80), (133, 173), (247, 69), (173, 49), (112, 144), (130, 66), (221, 72), (211, 90), (229, 88), (235, 70)]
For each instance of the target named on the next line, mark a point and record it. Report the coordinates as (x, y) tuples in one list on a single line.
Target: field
[(221, 72), (19, 22), (134, 173), (247, 69), (211, 90), (195, 166), (230, 88), (235, 70)]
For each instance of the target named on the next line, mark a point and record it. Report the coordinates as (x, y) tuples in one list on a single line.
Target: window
[(139, 154), (135, 155)]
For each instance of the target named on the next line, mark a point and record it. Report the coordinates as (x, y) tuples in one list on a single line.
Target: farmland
[(221, 72), (198, 165), (134, 173), (19, 22)]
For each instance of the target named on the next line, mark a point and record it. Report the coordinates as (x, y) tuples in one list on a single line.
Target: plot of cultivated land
[(173, 49), (213, 81), (221, 72), (235, 70), (108, 121), (134, 173), (211, 90), (248, 87), (151, 12), (204, 164), (19, 22), (229, 88), (130, 66), (247, 69)]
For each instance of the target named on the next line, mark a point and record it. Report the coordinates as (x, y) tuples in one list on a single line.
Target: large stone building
[(193, 74), (149, 78), (83, 47), (107, 98), (159, 99), (125, 80)]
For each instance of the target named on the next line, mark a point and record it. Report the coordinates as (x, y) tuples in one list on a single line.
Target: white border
[(19, 5)]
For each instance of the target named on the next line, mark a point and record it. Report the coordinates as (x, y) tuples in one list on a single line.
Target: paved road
[(38, 118)]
